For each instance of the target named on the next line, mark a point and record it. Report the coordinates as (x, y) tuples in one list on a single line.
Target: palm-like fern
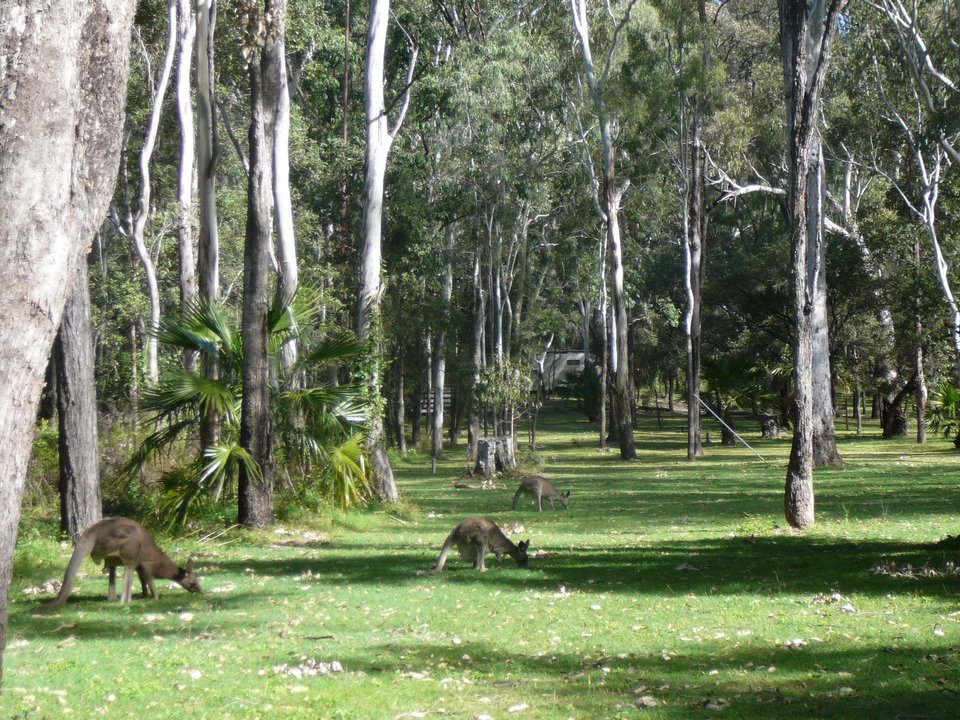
[(315, 428), (943, 413)]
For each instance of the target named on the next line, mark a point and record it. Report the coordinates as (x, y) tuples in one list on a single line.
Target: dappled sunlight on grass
[(666, 583)]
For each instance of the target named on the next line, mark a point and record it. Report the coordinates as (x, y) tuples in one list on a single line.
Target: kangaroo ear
[(189, 567), (524, 544), (567, 494)]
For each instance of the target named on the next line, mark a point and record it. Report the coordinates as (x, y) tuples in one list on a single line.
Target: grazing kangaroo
[(540, 488), (477, 536), (119, 541)]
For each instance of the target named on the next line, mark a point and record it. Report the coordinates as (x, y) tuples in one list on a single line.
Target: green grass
[(666, 579)]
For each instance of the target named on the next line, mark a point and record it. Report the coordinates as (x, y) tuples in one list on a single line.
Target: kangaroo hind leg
[(128, 572), (479, 562)]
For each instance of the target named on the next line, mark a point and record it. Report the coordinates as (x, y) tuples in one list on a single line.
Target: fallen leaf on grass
[(646, 701), (517, 708), (411, 714), (309, 667), (50, 587), (714, 704)]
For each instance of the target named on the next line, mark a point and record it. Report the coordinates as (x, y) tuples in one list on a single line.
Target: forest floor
[(669, 589)]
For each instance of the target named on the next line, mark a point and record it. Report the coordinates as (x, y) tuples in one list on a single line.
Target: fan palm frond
[(334, 348), (224, 460), (346, 474), (943, 415)]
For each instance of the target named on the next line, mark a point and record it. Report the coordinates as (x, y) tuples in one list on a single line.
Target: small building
[(560, 368)]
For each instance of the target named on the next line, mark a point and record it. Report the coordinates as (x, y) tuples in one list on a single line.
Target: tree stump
[(494, 454), (769, 428)]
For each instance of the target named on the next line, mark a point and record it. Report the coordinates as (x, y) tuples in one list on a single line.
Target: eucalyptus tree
[(187, 31), (266, 27), (277, 91), (134, 222), (915, 49), (68, 77), (80, 505), (695, 221), (207, 151), (608, 207), (207, 154), (379, 138), (807, 30)]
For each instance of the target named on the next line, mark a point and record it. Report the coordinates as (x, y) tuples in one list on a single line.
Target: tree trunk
[(401, 412), (255, 494), (207, 152), (605, 366), (276, 96), (921, 390), (379, 138), (139, 223), (439, 347), (727, 438), (208, 266), (921, 376), (415, 412), (66, 73), (188, 274), (610, 206), (476, 356), (696, 223), (858, 407), (805, 36), (77, 405), (825, 453)]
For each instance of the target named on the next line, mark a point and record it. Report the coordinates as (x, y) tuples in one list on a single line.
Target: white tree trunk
[(188, 274), (439, 349), (379, 138), (143, 208), (378, 141), (610, 206), (65, 79), (275, 88)]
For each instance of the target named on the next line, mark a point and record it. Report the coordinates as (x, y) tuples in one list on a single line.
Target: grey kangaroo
[(477, 536), (540, 488), (120, 541)]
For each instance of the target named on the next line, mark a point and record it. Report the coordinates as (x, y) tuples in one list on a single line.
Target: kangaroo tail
[(442, 560), (83, 548)]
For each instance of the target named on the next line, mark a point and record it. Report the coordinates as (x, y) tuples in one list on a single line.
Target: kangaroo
[(120, 541), (540, 488), (477, 536)]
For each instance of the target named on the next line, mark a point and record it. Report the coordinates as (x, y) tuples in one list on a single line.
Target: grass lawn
[(668, 590)]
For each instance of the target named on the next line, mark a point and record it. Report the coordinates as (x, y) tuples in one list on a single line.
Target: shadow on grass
[(756, 682), (765, 566)]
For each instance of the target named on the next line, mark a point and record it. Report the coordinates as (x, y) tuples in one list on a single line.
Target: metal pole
[(710, 410)]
